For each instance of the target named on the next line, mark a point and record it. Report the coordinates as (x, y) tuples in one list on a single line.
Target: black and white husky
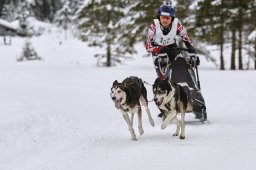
[(171, 99), (127, 97)]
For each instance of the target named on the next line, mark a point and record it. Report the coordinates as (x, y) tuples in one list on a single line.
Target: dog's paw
[(134, 138), (141, 131), (163, 126), (175, 134), (182, 137), (152, 122)]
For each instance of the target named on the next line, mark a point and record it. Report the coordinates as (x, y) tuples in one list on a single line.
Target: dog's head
[(118, 94), (161, 89)]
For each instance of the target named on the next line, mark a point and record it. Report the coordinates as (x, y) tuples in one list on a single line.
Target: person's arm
[(150, 39), (181, 31)]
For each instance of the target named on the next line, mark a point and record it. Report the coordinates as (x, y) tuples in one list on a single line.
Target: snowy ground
[(57, 114)]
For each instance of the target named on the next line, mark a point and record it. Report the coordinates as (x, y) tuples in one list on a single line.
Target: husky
[(128, 97), (171, 99)]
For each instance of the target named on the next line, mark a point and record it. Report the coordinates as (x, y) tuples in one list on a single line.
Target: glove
[(194, 60), (191, 50), (197, 61), (156, 50)]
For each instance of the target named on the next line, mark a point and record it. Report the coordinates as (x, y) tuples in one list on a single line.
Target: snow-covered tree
[(211, 24), (9, 11), (23, 16), (63, 17), (45, 10), (28, 53), (140, 15), (100, 24), (252, 28)]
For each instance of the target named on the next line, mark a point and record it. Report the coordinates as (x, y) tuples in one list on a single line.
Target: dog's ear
[(168, 82), (174, 84), (115, 83), (157, 80)]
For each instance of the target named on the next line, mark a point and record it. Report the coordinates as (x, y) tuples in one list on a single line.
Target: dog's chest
[(129, 109), (168, 105)]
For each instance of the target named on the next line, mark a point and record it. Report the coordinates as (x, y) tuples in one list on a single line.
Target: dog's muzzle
[(158, 102), (117, 102)]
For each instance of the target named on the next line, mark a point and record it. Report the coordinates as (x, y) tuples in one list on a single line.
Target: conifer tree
[(99, 23), (211, 24), (63, 17), (252, 25), (141, 15), (45, 9)]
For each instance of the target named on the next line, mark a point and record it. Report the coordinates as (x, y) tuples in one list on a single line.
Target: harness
[(139, 82)]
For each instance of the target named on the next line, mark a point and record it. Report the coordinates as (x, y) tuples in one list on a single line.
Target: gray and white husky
[(128, 97), (171, 99)]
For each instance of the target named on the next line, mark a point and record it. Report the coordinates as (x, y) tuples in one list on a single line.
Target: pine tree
[(255, 45), (232, 26), (99, 23), (141, 14), (251, 24), (63, 17), (45, 10), (211, 25), (23, 16)]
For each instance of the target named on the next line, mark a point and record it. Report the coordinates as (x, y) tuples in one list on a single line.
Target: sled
[(183, 70)]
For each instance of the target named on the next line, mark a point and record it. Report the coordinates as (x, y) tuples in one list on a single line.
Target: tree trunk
[(222, 65), (240, 61), (255, 54), (108, 63), (233, 50)]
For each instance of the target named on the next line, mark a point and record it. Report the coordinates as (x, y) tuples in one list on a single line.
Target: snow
[(8, 24), (57, 114), (252, 36)]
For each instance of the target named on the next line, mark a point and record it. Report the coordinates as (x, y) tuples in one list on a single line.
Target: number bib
[(168, 39)]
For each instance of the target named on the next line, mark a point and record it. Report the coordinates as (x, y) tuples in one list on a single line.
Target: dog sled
[(183, 70)]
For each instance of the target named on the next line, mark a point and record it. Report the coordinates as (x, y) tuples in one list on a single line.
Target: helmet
[(166, 10)]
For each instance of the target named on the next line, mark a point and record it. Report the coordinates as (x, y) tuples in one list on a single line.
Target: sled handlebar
[(184, 49), (181, 49)]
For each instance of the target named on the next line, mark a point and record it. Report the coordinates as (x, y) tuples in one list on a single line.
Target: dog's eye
[(119, 91), (162, 91)]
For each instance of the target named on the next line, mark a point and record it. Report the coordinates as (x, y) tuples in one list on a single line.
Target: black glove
[(197, 61), (194, 60), (171, 52), (191, 50)]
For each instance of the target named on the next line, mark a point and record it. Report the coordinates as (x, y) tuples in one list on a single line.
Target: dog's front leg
[(140, 122), (168, 119), (131, 118), (145, 104), (177, 127), (127, 119), (182, 134), (150, 117)]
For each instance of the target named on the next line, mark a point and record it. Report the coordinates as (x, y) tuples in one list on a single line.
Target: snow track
[(58, 115)]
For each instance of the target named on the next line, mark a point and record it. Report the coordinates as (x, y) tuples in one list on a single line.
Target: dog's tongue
[(117, 104), (159, 102)]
